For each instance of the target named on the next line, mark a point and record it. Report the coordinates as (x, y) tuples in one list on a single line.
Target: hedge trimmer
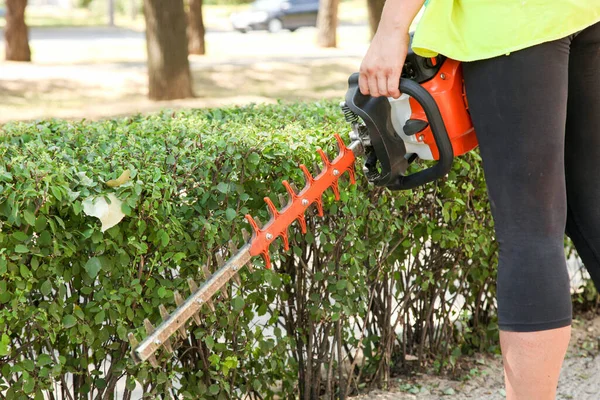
[(429, 121)]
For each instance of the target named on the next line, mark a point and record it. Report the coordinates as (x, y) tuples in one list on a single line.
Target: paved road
[(85, 33)]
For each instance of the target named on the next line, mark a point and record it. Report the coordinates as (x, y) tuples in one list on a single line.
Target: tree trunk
[(196, 28), (111, 12), (16, 35), (166, 42), (133, 9), (375, 7), (327, 23)]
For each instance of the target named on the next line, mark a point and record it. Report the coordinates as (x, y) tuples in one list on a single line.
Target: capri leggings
[(537, 117)]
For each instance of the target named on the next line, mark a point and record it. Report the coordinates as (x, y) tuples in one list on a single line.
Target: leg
[(518, 104), (582, 149)]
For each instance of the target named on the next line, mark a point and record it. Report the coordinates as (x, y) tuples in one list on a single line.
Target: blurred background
[(100, 58)]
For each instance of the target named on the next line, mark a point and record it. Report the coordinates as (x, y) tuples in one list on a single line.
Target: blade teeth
[(196, 318), (307, 176), (272, 209), (236, 279), (210, 305), (148, 326), (324, 157), (220, 261), (317, 169), (132, 340), (164, 314), (206, 272), (267, 259), (250, 267), (192, 284), (134, 343), (194, 288), (149, 329), (319, 205), (179, 300), (232, 247), (282, 201), (258, 223), (294, 188), (302, 220), (336, 190), (291, 190), (224, 293), (245, 235), (340, 143), (352, 176), (286, 241), (253, 223)]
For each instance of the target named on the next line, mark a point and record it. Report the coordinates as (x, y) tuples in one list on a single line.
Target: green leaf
[(69, 321), (29, 217), (164, 238), (21, 249), (20, 236), (46, 287), (210, 342), (56, 192), (44, 359), (161, 378), (29, 365), (122, 332), (230, 214), (223, 187), (99, 318), (92, 267), (214, 389), (238, 303), (29, 385), (24, 271), (253, 158), (4, 343)]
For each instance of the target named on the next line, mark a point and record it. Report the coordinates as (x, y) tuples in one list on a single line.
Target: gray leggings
[(537, 117)]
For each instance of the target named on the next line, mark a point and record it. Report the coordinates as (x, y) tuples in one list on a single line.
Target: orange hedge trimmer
[(429, 121)]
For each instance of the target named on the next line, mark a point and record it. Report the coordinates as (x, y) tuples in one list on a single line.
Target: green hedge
[(371, 284)]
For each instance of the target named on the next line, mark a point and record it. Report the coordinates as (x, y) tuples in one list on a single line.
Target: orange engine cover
[(447, 89)]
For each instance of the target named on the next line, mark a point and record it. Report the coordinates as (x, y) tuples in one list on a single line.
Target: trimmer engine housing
[(430, 121)]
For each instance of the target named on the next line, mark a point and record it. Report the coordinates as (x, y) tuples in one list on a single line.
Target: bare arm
[(382, 65)]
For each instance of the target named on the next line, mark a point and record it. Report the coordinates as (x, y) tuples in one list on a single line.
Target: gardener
[(532, 76)]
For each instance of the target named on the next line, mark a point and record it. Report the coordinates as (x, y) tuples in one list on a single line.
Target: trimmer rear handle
[(440, 134)]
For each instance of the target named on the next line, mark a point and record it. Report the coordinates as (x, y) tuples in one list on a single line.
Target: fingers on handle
[(363, 84), (373, 87), (393, 83)]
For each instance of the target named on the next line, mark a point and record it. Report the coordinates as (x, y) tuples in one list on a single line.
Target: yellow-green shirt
[(468, 30)]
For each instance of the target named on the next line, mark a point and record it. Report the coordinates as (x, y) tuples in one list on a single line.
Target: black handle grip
[(440, 135)]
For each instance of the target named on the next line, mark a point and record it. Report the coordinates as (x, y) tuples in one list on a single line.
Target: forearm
[(397, 15)]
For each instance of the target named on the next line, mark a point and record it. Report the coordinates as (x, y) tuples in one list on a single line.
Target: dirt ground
[(484, 380)]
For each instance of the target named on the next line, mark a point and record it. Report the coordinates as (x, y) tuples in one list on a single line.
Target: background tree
[(327, 20), (167, 45), (196, 30), (375, 7), (16, 35), (111, 12)]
